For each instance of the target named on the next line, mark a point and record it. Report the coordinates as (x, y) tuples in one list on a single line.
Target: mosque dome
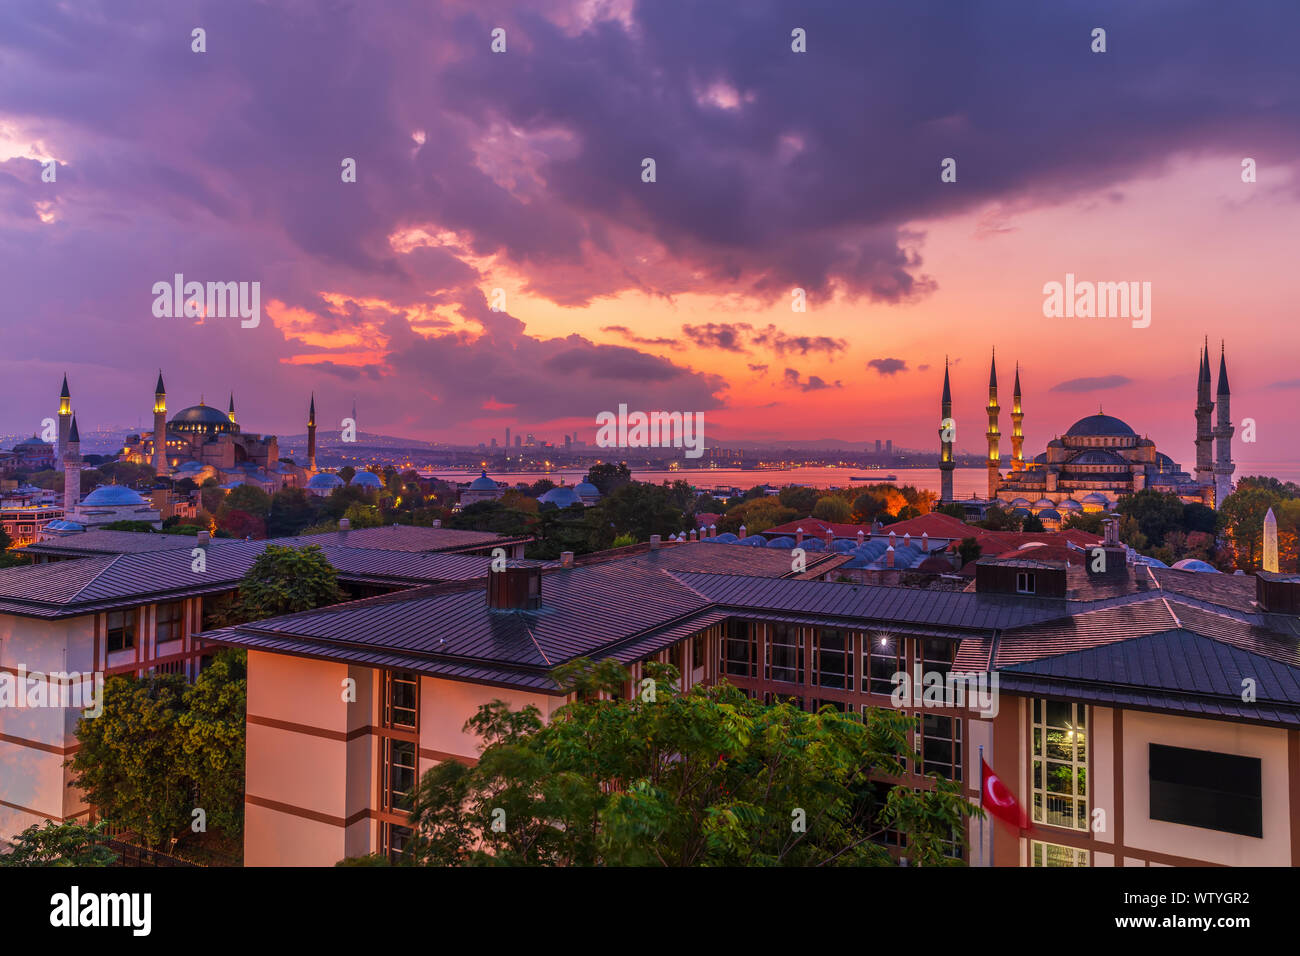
[(1096, 499), (200, 415), (1069, 504), (1044, 503), (366, 479), (325, 481), (483, 483), (1020, 512), (109, 496), (32, 442), (586, 489), (1019, 502), (1192, 564), (562, 497), (1097, 456), (1049, 514), (1100, 425)]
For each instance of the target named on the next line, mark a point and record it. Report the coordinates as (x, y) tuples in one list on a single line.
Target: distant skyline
[(521, 171)]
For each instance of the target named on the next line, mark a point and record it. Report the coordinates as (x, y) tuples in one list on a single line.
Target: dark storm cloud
[(775, 170)]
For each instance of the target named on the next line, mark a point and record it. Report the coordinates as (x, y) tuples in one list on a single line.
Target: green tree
[(834, 509), (640, 509), (281, 581), (347, 473), (969, 550), (1032, 523), (291, 511), (1156, 513), (800, 499), (706, 778), (59, 844), (1243, 518), (212, 739), (363, 516)]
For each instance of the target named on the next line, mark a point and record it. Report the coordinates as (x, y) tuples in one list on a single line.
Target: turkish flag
[(999, 800)]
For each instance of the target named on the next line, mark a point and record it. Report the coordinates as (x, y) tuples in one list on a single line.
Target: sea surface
[(966, 481)]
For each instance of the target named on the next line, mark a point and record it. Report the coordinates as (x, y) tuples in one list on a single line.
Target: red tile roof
[(817, 528)]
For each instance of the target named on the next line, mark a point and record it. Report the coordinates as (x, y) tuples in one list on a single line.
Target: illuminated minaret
[(72, 470), (1204, 431), (1017, 431), (311, 435), (160, 427), (946, 429), (993, 434), (231, 414), (1223, 466), (65, 421)]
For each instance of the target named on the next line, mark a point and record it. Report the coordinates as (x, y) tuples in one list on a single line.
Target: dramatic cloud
[(813, 383)]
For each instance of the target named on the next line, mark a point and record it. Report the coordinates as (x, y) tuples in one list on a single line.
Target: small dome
[(106, 496), (586, 489), (725, 537), (1021, 512), (64, 525), (1069, 504), (1193, 564), (483, 483), (1040, 459), (1020, 502), (1049, 514), (782, 542), (1149, 561), (1096, 499), (1044, 503), (325, 480), (367, 479), (32, 442), (562, 497), (1100, 426), (758, 541)]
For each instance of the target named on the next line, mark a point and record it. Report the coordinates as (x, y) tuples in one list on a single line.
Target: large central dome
[(1100, 425), (200, 415)]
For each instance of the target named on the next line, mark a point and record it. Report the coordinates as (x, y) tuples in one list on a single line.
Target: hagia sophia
[(1100, 458)]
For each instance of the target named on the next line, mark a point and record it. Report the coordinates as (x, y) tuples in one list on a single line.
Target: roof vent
[(654, 542), (1277, 593), (566, 559), (515, 589), (345, 524)]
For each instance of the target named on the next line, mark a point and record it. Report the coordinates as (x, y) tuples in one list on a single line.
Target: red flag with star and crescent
[(998, 799)]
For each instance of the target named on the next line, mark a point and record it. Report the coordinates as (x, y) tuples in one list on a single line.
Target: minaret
[(160, 427), (72, 470), (65, 420), (1017, 431), (231, 414), (995, 459), (1204, 431), (1270, 541), (311, 435), (946, 429), (1223, 466)]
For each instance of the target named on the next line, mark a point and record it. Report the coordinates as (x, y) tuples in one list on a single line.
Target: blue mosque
[(1100, 458)]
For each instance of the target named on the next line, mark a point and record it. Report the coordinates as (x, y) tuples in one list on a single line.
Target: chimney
[(861, 538), (437, 522), (204, 538), (830, 537), (693, 535), (566, 559), (345, 524), (925, 541), (1110, 533), (742, 531), (907, 537), (515, 589), (891, 541), (654, 544), (713, 531), (798, 537), (889, 555)]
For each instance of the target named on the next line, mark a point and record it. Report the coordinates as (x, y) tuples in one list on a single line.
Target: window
[(676, 655), (784, 653), (1060, 764), (395, 839), (121, 630), (1201, 788), (698, 644), (401, 693), (833, 659), (1053, 854), (171, 620), (738, 651), (937, 655), (939, 745), (1024, 582), (399, 773), (882, 658)]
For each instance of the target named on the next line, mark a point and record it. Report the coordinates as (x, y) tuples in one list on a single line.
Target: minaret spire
[(231, 413), (160, 427), (995, 458), (1204, 426), (72, 470), (65, 419), (311, 435), (947, 430), (1017, 429), (1223, 431)]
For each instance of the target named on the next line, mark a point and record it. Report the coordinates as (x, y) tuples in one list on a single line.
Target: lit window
[(881, 660), (1053, 854), (1060, 764)]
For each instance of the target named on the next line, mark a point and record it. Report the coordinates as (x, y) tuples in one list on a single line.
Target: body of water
[(966, 481)]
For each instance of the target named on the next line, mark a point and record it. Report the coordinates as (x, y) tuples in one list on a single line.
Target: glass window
[(1053, 854), (738, 657), (399, 773), (882, 658), (121, 630), (940, 745), (400, 699), (833, 650), (1059, 774), (937, 655), (170, 621), (697, 651), (785, 653), (395, 839), (1024, 582)]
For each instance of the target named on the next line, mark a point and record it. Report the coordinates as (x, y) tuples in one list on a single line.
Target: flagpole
[(981, 804)]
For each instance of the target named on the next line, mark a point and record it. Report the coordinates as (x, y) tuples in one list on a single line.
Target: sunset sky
[(522, 171)]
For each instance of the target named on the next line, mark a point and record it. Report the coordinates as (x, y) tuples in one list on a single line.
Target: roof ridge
[(98, 574), (1177, 621)]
